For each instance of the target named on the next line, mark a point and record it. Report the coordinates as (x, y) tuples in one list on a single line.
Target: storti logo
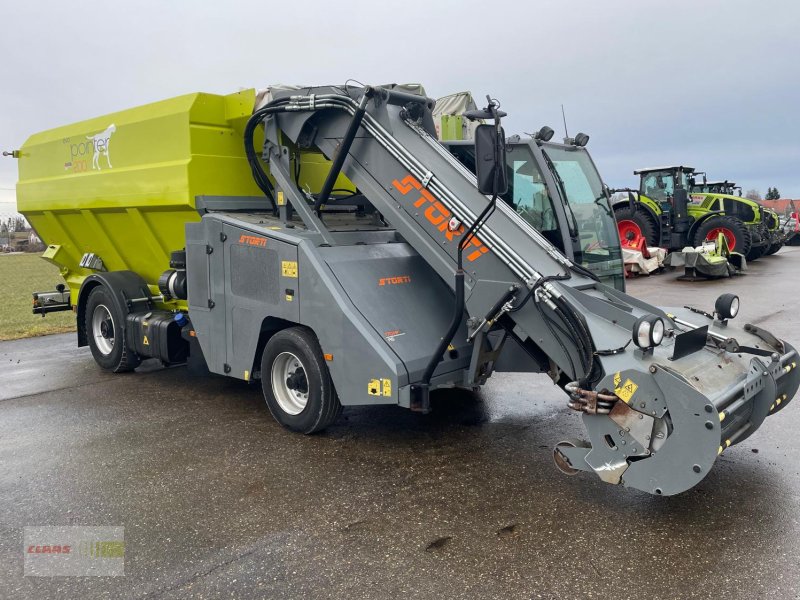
[(439, 215)]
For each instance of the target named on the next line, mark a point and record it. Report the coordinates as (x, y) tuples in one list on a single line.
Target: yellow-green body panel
[(124, 185)]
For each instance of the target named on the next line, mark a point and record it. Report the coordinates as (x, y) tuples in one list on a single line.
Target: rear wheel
[(757, 252), (296, 383), (733, 229), (636, 223), (105, 330)]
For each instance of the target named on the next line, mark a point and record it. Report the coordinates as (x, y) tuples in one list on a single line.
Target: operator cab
[(557, 189), (717, 187), (659, 183)]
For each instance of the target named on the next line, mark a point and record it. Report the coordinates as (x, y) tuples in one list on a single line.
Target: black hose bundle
[(259, 175)]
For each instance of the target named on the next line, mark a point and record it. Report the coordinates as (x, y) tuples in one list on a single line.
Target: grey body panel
[(372, 330)]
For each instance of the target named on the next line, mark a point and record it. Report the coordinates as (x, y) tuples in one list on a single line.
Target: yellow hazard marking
[(146, 342), (626, 390), (771, 408), (289, 268), (720, 450), (281, 199), (379, 387), (450, 347), (722, 416), (617, 379), (374, 387), (247, 375)]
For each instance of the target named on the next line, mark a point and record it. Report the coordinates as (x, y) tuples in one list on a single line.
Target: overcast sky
[(714, 84)]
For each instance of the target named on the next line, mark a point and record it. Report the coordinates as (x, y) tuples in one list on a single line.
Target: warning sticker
[(627, 390), (289, 268), (379, 387), (617, 379)]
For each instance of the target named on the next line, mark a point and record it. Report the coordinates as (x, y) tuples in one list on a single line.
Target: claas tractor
[(720, 191), (664, 214)]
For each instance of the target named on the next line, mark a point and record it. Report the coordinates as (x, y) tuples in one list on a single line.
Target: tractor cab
[(716, 187), (557, 189)]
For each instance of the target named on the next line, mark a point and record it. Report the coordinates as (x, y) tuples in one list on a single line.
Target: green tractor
[(664, 214), (770, 223)]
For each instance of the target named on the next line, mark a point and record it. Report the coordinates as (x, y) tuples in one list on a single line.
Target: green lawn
[(21, 274)]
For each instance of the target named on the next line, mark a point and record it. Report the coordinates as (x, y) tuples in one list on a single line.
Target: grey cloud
[(712, 83)]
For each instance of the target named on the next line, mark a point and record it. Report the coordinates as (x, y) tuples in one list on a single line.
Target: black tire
[(322, 406), (742, 239), (110, 349), (773, 248), (756, 252), (643, 219)]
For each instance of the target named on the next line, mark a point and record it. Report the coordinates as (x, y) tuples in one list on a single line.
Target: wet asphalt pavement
[(217, 500)]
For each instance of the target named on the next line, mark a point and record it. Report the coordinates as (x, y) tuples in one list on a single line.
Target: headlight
[(727, 306), (648, 331)]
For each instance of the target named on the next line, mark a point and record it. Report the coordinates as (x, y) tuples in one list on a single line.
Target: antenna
[(564, 117)]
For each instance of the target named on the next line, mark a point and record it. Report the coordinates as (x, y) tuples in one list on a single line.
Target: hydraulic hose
[(259, 175)]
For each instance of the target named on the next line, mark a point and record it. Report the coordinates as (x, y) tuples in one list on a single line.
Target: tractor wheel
[(297, 385), (633, 224), (756, 252), (773, 248), (733, 229)]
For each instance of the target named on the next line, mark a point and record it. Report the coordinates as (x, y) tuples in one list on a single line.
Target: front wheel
[(296, 383), (735, 232), (105, 330), (635, 224)]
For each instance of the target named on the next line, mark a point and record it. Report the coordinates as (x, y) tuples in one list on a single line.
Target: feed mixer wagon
[(321, 243)]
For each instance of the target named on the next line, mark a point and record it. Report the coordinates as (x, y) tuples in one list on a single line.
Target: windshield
[(597, 230)]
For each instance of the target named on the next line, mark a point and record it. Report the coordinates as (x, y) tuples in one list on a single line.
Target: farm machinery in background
[(726, 193)]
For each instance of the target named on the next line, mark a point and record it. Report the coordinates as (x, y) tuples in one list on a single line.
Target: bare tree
[(753, 195)]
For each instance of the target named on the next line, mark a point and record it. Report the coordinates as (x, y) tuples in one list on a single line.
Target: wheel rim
[(729, 237), (629, 231), (289, 383), (103, 329)]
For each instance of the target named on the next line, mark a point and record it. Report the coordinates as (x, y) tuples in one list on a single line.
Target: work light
[(648, 331), (727, 306)]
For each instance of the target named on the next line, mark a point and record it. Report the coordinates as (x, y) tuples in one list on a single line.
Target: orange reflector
[(192, 333), (328, 357)]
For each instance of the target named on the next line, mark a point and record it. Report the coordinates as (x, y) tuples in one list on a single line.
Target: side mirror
[(691, 182), (490, 160), (631, 202)]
